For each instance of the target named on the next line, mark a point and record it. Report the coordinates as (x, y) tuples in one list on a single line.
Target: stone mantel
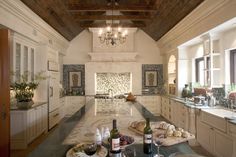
[(113, 56)]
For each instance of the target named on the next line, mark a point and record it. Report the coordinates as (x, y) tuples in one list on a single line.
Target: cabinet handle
[(56, 115)]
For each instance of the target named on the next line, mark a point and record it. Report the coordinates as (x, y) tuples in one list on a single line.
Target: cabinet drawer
[(232, 129), (54, 118), (214, 121)]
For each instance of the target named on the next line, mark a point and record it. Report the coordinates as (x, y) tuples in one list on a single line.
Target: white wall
[(147, 49), (81, 45), (227, 43)]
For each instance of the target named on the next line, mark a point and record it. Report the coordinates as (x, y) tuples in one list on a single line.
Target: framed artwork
[(150, 78), (75, 79)]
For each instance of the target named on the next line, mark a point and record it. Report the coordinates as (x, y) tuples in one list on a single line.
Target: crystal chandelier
[(111, 35)]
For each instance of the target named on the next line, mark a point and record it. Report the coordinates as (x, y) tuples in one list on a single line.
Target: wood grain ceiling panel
[(70, 17)]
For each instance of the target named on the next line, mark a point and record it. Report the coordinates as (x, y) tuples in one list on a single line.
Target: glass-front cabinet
[(212, 61), (22, 58)]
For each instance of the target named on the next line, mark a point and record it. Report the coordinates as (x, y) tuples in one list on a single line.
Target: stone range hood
[(113, 57), (121, 52), (121, 58)]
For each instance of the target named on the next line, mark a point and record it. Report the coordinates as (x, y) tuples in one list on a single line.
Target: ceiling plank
[(151, 2), (130, 8), (112, 17), (87, 25)]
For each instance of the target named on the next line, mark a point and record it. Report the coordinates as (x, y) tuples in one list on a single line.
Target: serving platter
[(77, 151), (167, 141)]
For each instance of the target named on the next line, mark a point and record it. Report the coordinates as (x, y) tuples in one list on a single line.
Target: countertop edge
[(36, 104)]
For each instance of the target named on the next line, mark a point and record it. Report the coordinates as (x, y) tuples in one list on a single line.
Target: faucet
[(110, 91)]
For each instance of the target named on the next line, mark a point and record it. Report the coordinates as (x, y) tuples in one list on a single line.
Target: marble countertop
[(36, 104), (219, 111), (99, 114), (228, 115)]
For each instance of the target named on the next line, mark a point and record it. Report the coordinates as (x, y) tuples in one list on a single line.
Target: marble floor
[(81, 126)]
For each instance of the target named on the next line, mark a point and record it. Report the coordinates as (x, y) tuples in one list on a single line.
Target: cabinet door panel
[(31, 125), (223, 145), (44, 117), (205, 136), (38, 120)]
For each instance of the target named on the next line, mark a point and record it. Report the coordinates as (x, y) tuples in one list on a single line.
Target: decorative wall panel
[(152, 79), (74, 79)]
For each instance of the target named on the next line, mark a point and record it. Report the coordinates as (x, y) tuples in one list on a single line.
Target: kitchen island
[(97, 113)]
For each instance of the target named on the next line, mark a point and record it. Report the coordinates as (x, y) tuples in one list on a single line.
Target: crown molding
[(26, 15), (199, 21)]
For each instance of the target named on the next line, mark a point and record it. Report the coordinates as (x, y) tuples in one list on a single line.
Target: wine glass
[(158, 142), (90, 148)]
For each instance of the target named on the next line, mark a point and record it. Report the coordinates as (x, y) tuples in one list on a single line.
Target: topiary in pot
[(24, 90)]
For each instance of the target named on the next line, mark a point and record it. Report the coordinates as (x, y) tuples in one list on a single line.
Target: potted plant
[(24, 90)]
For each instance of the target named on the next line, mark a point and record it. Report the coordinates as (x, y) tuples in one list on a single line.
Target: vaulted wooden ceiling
[(70, 17)]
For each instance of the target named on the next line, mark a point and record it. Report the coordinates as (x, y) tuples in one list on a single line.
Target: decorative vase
[(25, 104)]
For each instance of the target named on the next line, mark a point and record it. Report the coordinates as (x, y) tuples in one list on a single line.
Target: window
[(199, 65), (233, 66)]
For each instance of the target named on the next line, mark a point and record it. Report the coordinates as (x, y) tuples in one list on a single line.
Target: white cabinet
[(152, 103), (205, 136), (166, 108), (26, 125), (214, 134), (183, 116), (53, 90), (223, 144), (62, 108), (212, 60), (178, 114), (74, 104), (54, 118), (22, 57)]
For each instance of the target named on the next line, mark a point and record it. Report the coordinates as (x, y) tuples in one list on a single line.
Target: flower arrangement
[(24, 90)]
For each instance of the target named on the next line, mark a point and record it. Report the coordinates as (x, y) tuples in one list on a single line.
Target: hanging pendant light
[(111, 35)]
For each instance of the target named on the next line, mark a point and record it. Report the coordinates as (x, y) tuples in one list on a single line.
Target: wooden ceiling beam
[(114, 25), (110, 17), (127, 8)]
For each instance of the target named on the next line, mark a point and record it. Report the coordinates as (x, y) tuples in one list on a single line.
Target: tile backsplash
[(119, 83)]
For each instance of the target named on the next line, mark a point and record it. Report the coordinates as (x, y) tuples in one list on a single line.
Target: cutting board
[(168, 141)]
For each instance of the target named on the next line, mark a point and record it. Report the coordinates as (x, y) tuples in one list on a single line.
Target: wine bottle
[(115, 139), (147, 138)]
